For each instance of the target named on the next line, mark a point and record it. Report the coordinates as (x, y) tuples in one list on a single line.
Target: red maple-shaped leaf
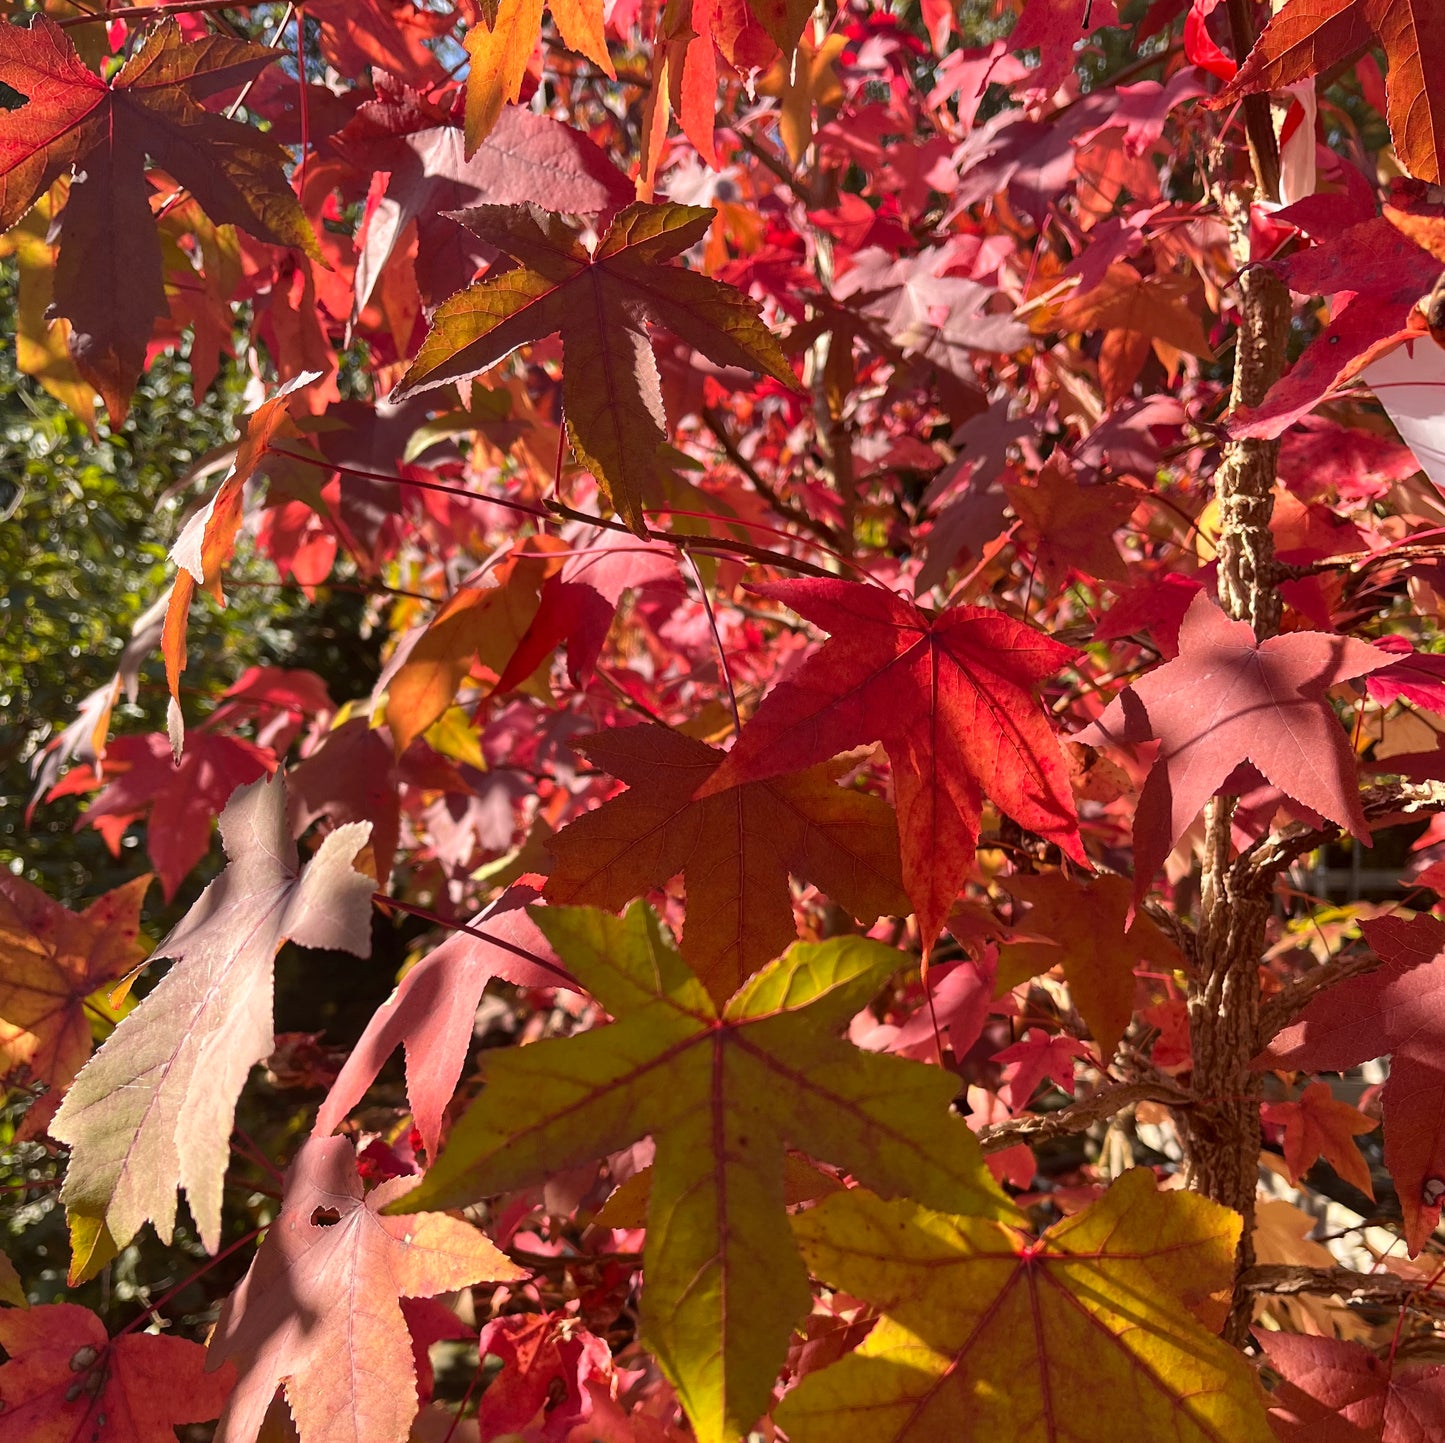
[(153, 1109), (65, 1381), (953, 698), (178, 799), (109, 276), (1084, 931), (1334, 1391), (402, 140), (1377, 274), (576, 605), (548, 1360), (1071, 527), (1319, 1125), (318, 1312), (1226, 699), (601, 301), (1398, 1010), (1308, 36), (734, 848), (53, 959), (434, 1009), (1037, 1057)]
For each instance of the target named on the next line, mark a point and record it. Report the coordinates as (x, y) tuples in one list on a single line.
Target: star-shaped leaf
[(1227, 699), (1072, 526), (318, 1312), (1394, 1011), (433, 1012), (1084, 1335), (65, 1380), (1333, 1391), (51, 960), (601, 302), (1320, 1125), (153, 1109), (1308, 36), (723, 1096), (735, 849), (1084, 923), (109, 276), (951, 695)]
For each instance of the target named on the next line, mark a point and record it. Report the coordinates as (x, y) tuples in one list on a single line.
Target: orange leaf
[(735, 849), (65, 1379), (1085, 927), (53, 960), (1319, 1125), (479, 624)]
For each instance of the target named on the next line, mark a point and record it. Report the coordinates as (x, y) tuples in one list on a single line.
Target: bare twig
[(1080, 1115), (1385, 1290), (799, 515), (1264, 861)]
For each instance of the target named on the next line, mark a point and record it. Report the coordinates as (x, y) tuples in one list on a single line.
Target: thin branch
[(722, 656), (790, 510), (1266, 859), (707, 545), (1283, 1280), (564, 978), (1079, 1116), (160, 12), (1258, 122)]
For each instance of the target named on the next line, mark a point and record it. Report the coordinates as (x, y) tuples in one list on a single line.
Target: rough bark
[(1223, 1127)]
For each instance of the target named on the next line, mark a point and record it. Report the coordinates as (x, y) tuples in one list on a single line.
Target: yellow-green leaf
[(1100, 1331), (11, 1289), (723, 1097)]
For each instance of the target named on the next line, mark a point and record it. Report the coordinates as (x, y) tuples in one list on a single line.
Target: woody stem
[(1222, 1129)]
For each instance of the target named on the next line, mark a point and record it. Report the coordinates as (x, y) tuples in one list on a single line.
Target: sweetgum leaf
[(723, 1096), (64, 1380), (1319, 1125), (208, 538), (500, 51), (483, 623), (153, 1109), (952, 697), (735, 849), (178, 799), (1226, 699), (1377, 274), (109, 277), (526, 157), (1085, 927), (53, 959), (318, 1312), (601, 303), (434, 1008), (1084, 1335), (1333, 1391), (1308, 36)]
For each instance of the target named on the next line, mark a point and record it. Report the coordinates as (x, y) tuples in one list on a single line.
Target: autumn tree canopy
[(845, 840)]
